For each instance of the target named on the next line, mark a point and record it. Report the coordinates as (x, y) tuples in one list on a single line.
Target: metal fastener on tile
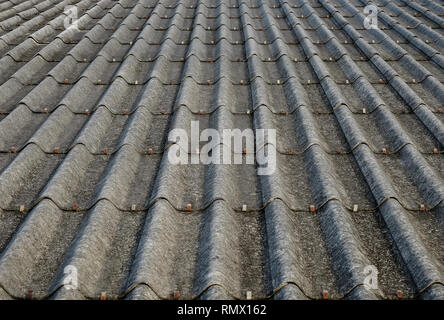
[(45, 110), (99, 82), (86, 111), (347, 81), (13, 150), (384, 151), (435, 151), (283, 112), (105, 151), (312, 208), (364, 110), (133, 207), (189, 207), (150, 151), (245, 151), (325, 294), (290, 151), (249, 295), (399, 294), (103, 295), (75, 207), (56, 150), (29, 294), (22, 208), (422, 207), (381, 81), (244, 207), (339, 150), (355, 208), (176, 295)]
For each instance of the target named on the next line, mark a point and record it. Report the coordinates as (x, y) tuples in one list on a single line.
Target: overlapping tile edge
[(216, 269)]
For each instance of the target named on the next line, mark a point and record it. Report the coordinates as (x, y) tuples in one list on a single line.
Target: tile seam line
[(288, 152), (183, 105), (208, 204), (136, 285), (196, 81)]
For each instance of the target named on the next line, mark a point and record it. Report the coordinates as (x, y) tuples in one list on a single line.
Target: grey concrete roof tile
[(85, 179)]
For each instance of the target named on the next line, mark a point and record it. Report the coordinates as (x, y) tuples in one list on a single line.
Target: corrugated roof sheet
[(85, 179)]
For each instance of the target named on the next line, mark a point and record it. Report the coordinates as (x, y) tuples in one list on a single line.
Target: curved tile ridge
[(422, 265), (418, 106), (341, 239), (427, 180)]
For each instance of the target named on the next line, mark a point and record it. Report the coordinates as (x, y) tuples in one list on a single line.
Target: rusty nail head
[(29, 295), (312, 208), (283, 111), (245, 150), (339, 150), (105, 151), (244, 207), (56, 150), (435, 150), (176, 295), (22, 208), (74, 207), (290, 151), (355, 208), (399, 294), (325, 294), (13, 149), (103, 296), (422, 207), (150, 151), (133, 207), (384, 151), (189, 207)]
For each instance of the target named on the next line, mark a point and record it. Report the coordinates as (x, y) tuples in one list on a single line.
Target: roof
[(87, 191)]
